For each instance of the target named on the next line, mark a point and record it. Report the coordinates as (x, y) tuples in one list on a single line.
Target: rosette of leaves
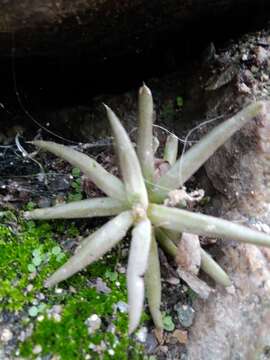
[(142, 200)]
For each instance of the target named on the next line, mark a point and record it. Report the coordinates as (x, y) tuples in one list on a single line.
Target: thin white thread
[(185, 142), (187, 136), (171, 133), (24, 109)]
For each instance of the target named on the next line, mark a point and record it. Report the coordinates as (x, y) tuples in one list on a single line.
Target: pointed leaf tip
[(106, 106), (129, 163), (145, 134), (107, 182), (93, 247), (145, 89), (198, 154)]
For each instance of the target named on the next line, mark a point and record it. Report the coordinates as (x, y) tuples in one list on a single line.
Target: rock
[(235, 324), (101, 286), (241, 179), (141, 334), (227, 325), (37, 349), (180, 336), (5, 335), (93, 323), (121, 306), (188, 255), (185, 315), (151, 343)]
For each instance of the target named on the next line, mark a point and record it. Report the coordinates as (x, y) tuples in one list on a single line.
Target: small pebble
[(185, 314), (37, 349), (92, 346), (55, 312), (93, 323), (261, 55), (151, 343), (141, 334), (41, 296), (265, 77), (56, 309), (101, 347), (21, 337), (72, 290), (122, 306), (254, 69), (58, 291), (102, 287), (29, 287), (32, 275), (243, 88), (6, 335), (111, 352), (56, 317), (33, 311), (122, 270), (26, 333), (173, 281), (111, 328), (180, 335)]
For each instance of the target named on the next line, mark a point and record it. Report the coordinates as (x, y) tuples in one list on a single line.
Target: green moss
[(20, 265), (28, 253), (76, 193), (69, 337)]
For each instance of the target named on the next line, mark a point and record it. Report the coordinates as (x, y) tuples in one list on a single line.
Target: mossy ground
[(29, 252)]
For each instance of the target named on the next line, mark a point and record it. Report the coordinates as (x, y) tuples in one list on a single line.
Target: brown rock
[(180, 335), (235, 324), (189, 253)]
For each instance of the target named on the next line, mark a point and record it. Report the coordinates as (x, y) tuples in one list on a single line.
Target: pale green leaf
[(79, 209), (187, 165), (145, 134), (137, 265), (129, 163), (93, 247), (107, 182), (196, 223)]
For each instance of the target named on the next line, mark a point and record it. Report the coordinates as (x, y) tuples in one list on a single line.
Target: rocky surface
[(235, 324)]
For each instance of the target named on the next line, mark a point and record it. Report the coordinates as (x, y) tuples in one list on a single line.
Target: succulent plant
[(148, 201)]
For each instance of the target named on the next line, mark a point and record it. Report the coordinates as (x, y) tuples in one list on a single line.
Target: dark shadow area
[(53, 83)]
